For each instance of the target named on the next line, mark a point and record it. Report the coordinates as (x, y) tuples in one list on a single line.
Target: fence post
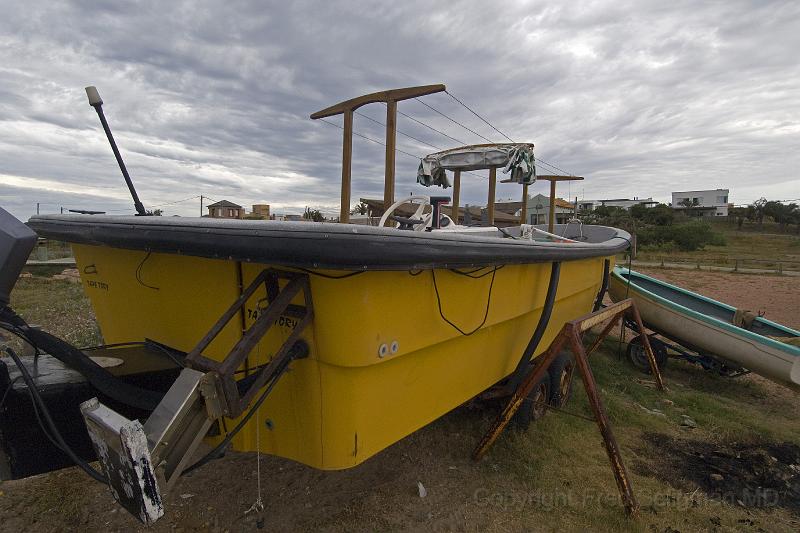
[(735, 265)]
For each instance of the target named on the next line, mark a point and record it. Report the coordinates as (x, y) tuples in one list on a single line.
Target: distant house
[(584, 206), (707, 203), (539, 210), (261, 210), (225, 209)]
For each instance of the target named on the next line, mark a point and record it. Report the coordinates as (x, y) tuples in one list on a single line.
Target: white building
[(538, 210), (590, 205), (708, 203)]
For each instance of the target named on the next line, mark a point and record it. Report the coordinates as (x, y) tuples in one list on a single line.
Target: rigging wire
[(550, 166), (565, 172), (398, 131), (430, 127), (477, 115), (554, 167), (454, 121), (417, 157), (369, 138)]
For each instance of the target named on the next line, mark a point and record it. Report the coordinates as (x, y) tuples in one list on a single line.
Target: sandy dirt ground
[(381, 494)]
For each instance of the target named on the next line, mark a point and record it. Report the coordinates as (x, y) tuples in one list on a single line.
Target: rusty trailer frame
[(571, 336)]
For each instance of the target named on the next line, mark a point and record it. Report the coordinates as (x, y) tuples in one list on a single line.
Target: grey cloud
[(206, 98)]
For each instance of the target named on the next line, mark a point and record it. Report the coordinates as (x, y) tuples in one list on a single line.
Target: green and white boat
[(709, 328)]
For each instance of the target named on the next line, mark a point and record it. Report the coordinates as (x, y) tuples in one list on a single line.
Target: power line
[(453, 120), (176, 201), (477, 115)]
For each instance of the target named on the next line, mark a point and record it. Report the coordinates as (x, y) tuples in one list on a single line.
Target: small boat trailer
[(664, 348)]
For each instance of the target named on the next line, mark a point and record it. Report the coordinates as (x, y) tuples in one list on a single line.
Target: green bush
[(686, 237)]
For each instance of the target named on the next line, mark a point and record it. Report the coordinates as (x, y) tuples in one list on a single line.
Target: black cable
[(5, 394), (485, 314), (471, 272), (507, 234), (148, 343), (627, 291), (329, 276), (139, 273), (36, 398), (541, 326), (220, 448)]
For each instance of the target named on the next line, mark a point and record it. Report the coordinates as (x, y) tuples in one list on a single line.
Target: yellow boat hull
[(383, 362)]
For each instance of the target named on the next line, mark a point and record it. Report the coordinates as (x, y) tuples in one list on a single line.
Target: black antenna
[(97, 103)]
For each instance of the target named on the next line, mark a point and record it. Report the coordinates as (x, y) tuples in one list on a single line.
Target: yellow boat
[(352, 336)]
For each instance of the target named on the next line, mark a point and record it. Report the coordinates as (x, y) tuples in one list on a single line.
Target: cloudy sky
[(213, 98)]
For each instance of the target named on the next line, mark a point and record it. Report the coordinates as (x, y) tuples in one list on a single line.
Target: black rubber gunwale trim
[(320, 246)]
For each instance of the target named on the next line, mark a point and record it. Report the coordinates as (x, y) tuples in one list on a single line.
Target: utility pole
[(37, 208), (201, 206)]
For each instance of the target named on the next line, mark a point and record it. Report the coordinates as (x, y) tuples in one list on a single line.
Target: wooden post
[(391, 136), (492, 188), (346, 108), (456, 194), (552, 218), (347, 158), (523, 214)]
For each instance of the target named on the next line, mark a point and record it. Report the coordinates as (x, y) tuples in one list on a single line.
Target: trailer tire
[(561, 372), (534, 406), (637, 355)]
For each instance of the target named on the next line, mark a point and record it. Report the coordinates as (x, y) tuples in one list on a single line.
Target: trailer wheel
[(534, 406), (561, 372), (638, 356)]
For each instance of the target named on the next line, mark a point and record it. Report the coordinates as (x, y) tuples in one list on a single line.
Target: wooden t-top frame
[(553, 179), (390, 98), (346, 108)]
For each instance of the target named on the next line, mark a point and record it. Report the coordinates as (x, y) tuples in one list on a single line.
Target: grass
[(740, 244), (61, 307), (554, 476)]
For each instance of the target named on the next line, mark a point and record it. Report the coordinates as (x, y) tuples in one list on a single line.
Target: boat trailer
[(571, 336), (661, 343)]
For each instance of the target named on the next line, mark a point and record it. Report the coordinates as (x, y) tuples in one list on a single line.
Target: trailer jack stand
[(571, 335)]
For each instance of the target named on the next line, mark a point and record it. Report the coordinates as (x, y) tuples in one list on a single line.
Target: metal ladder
[(143, 461)]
